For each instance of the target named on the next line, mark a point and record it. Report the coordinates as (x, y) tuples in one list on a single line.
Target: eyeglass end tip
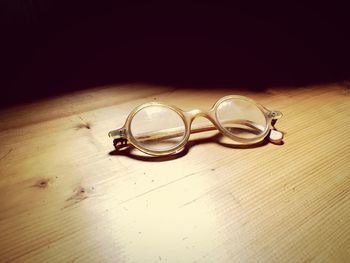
[(276, 137)]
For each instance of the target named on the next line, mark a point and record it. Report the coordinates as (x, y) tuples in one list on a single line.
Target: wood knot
[(42, 183), (83, 126), (79, 194)]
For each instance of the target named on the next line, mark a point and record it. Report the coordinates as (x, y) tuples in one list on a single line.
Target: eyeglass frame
[(123, 135)]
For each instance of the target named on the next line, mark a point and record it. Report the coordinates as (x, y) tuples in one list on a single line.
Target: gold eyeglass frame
[(123, 136)]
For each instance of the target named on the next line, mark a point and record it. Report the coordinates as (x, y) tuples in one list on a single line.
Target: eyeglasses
[(160, 129)]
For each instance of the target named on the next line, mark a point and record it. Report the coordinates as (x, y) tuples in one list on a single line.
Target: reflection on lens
[(158, 128), (241, 118)]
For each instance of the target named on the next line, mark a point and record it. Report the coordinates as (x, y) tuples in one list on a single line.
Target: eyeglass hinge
[(275, 115), (120, 139), (120, 133)]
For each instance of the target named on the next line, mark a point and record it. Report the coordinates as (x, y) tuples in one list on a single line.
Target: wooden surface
[(66, 196)]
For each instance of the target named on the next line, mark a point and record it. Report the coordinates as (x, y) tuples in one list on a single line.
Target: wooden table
[(66, 196)]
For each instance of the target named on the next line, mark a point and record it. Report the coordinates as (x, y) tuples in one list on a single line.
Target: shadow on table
[(134, 153)]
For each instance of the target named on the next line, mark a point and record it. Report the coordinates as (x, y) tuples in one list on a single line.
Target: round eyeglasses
[(160, 129)]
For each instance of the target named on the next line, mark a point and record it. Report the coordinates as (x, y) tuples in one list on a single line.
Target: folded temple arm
[(244, 125)]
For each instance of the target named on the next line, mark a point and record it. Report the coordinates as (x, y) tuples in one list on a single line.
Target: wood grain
[(66, 196)]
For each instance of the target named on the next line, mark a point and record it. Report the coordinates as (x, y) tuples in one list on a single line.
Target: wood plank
[(66, 196)]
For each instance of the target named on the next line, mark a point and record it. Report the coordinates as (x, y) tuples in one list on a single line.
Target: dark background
[(50, 46)]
